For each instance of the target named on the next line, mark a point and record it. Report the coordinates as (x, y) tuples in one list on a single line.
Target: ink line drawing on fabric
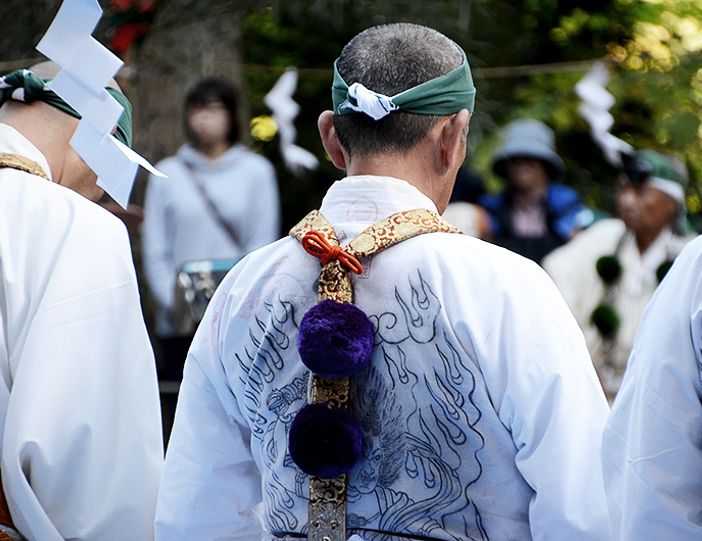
[(422, 442), (261, 361), (422, 309)]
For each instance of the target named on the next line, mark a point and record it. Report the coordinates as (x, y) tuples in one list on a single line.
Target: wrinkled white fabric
[(481, 411), (652, 446), (79, 415)]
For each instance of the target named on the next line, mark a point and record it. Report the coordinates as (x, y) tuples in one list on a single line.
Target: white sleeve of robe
[(82, 447), (211, 484), (545, 390), (652, 450)]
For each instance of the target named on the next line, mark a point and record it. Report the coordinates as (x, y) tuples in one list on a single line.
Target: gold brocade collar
[(15, 161)]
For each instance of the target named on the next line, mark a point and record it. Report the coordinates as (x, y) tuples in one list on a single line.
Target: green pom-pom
[(609, 268), (663, 269), (606, 319)]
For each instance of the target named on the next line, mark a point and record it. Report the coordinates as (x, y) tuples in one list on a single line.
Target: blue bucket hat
[(528, 138)]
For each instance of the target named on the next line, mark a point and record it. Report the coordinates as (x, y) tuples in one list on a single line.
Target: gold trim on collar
[(15, 161)]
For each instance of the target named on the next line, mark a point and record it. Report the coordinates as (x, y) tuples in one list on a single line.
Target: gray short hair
[(390, 59)]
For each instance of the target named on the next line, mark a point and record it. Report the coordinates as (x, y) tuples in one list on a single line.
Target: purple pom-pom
[(335, 339), (326, 442)]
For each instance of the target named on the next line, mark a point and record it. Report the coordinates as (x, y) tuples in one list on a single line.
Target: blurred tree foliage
[(653, 48)]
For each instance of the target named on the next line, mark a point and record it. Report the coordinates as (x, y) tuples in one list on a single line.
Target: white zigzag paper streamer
[(595, 106), (86, 69), (285, 109)]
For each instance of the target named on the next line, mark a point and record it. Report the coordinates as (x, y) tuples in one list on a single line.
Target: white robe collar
[(13, 142), (355, 202)]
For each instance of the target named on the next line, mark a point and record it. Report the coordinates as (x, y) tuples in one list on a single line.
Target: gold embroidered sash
[(327, 501), (15, 161)]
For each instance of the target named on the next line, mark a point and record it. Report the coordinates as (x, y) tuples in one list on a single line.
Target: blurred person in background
[(534, 214), (609, 272), (219, 202), (463, 209)]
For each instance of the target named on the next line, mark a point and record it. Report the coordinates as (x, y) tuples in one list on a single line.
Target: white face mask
[(209, 124)]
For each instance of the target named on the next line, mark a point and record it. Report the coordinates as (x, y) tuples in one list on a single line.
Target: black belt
[(360, 531)]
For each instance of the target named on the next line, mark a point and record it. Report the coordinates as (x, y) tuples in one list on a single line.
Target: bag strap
[(15, 161), (226, 226), (327, 497)]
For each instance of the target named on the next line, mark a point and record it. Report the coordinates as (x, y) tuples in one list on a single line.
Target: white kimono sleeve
[(652, 447), (82, 450), (211, 483), (545, 390)]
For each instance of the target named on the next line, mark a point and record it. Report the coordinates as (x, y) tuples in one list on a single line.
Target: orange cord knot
[(317, 245)]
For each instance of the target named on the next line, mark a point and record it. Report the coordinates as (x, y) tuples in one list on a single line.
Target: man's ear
[(331, 143), (452, 140)]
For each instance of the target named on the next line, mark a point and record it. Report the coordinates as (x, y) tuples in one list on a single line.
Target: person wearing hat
[(609, 272), (80, 431), (534, 214), (378, 375), (652, 446)]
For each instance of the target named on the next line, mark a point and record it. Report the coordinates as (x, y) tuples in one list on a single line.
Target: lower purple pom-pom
[(325, 442)]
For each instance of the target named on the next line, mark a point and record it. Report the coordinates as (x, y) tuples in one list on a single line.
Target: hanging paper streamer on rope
[(285, 109), (595, 106), (86, 69)]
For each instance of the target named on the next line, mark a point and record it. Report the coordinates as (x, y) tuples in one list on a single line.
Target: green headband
[(23, 85), (442, 96)]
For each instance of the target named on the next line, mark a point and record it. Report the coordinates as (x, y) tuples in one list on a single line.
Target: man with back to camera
[(80, 435), (440, 389)]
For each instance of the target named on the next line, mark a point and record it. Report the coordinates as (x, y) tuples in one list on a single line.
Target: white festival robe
[(481, 411), (652, 447), (573, 269), (79, 414)]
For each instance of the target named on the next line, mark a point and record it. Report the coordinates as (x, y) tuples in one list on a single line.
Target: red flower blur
[(126, 35), (129, 21), (120, 5), (146, 6)]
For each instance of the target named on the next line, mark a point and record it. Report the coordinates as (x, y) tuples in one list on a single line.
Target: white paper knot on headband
[(371, 103)]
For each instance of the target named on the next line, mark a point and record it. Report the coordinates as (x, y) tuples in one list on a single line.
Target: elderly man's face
[(644, 208), (526, 174)]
